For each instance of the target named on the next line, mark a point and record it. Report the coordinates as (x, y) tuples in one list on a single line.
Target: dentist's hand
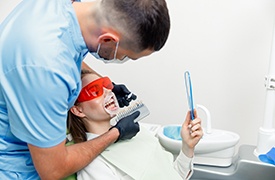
[(191, 133), (123, 95), (127, 127)]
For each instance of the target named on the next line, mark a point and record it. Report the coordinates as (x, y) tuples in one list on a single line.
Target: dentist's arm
[(60, 161)]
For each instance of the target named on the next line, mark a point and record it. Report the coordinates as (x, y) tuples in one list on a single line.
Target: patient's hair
[(75, 124), (144, 24)]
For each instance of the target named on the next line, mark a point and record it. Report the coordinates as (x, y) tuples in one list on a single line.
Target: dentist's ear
[(108, 37), (77, 111)]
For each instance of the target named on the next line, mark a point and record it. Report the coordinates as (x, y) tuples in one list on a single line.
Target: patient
[(142, 157)]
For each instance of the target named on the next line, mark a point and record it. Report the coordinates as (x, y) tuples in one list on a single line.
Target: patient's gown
[(140, 158)]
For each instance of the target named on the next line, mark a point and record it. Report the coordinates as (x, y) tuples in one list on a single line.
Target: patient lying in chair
[(140, 158)]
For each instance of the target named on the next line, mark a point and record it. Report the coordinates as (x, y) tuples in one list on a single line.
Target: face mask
[(114, 60)]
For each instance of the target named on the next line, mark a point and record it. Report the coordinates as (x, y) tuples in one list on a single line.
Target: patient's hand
[(191, 133)]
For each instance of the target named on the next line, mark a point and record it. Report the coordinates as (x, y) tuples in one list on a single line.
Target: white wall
[(225, 44)]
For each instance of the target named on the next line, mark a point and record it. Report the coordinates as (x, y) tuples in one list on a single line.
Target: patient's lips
[(110, 104)]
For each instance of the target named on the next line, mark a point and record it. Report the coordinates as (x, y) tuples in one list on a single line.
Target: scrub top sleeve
[(37, 104)]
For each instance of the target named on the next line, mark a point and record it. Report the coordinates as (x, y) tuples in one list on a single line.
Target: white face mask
[(114, 60)]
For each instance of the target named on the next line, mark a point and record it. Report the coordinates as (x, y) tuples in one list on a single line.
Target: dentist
[(42, 45)]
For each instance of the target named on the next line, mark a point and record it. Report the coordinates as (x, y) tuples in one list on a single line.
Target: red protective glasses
[(94, 89)]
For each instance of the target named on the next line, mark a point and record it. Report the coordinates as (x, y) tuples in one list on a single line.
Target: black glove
[(127, 127), (122, 94)]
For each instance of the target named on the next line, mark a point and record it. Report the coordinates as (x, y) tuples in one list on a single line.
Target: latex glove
[(127, 127), (123, 95)]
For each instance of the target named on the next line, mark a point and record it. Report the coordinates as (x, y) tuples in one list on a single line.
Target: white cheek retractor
[(111, 99)]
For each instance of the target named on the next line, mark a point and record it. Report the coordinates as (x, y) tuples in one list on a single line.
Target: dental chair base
[(222, 158), (245, 166)]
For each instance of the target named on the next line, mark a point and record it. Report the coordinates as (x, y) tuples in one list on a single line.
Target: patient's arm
[(61, 161), (184, 165), (191, 133)]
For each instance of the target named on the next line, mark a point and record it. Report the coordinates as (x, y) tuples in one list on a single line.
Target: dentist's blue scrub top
[(41, 50)]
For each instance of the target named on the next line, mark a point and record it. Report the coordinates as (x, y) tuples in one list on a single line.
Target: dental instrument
[(189, 93), (128, 97)]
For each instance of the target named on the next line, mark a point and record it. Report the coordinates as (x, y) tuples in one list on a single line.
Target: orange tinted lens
[(94, 89), (107, 83)]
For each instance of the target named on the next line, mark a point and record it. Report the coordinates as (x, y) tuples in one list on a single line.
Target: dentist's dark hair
[(144, 24)]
